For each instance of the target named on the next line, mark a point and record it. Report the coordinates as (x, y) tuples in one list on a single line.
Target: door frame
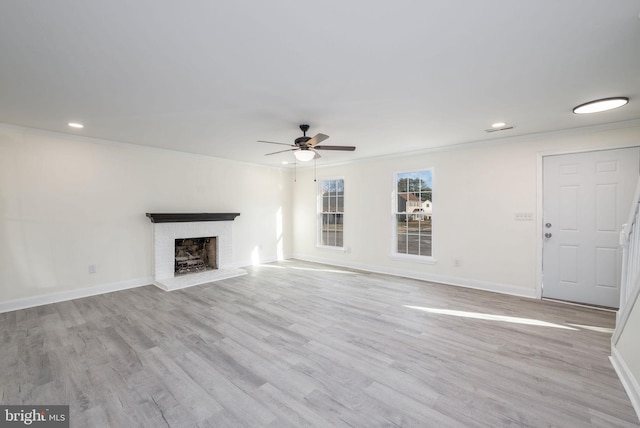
[(540, 194)]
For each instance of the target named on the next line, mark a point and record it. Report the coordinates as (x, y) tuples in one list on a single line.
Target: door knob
[(547, 225), (547, 235)]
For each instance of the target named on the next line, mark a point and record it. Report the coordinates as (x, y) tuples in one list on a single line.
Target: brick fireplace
[(172, 229)]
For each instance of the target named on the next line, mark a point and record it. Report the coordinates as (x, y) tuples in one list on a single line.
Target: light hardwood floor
[(298, 344)]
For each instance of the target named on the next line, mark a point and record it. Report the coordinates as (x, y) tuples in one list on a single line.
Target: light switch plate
[(523, 216)]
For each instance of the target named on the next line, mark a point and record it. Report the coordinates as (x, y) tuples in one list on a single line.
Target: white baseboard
[(629, 382), (424, 276), (29, 302), (63, 296), (248, 262)]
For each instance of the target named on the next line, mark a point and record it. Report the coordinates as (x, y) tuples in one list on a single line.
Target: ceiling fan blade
[(281, 151), (342, 148), (273, 142), (317, 139)]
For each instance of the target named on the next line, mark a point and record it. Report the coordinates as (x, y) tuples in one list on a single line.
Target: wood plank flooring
[(297, 344)]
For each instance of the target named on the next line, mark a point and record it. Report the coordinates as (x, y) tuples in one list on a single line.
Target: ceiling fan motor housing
[(300, 141)]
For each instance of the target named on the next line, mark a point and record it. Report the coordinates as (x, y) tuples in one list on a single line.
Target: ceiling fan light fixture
[(304, 155), (603, 104)]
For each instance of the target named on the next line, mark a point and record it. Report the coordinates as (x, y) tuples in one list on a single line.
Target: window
[(413, 213), (331, 213)]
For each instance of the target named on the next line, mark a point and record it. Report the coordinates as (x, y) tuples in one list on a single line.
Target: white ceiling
[(212, 77)]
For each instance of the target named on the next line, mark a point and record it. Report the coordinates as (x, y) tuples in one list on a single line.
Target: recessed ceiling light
[(497, 127), (285, 163), (75, 125), (601, 105)]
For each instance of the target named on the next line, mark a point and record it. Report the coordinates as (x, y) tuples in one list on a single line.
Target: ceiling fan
[(305, 147)]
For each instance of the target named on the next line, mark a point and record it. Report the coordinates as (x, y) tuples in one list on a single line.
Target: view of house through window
[(331, 216), (413, 228)]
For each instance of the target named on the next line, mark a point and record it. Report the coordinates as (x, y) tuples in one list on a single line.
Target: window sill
[(331, 249), (428, 260)]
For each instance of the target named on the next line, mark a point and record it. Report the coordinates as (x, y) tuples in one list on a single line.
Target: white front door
[(586, 198)]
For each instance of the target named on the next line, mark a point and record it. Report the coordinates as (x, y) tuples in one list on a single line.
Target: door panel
[(586, 199), (606, 267), (568, 264), (568, 207)]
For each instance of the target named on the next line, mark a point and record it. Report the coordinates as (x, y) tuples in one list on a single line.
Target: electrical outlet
[(93, 268)]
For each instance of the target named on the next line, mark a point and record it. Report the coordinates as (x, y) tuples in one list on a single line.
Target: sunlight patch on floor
[(490, 317), (310, 269), (593, 328)]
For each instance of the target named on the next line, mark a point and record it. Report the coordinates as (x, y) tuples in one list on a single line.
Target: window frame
[(320, 212), (416, 258)]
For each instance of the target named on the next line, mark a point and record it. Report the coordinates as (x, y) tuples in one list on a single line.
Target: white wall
[(68, 202), (477, 190)]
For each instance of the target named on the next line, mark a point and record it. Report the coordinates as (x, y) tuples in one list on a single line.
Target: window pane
[(402, 202), (340, 186), (402, 183), (325, 229), (403, 221), (413, 225), (332, 222), (425, 244), (402, 244), (323, 238), (332, 230), (338, 230), (326, 185), (424, 225), (340, 204), (426, 179), (413, 243)]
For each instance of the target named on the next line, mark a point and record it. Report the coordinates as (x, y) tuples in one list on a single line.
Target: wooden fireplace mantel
[(190, 217)]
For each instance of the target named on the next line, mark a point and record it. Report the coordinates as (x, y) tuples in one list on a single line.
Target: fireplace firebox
[(195, 255)]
